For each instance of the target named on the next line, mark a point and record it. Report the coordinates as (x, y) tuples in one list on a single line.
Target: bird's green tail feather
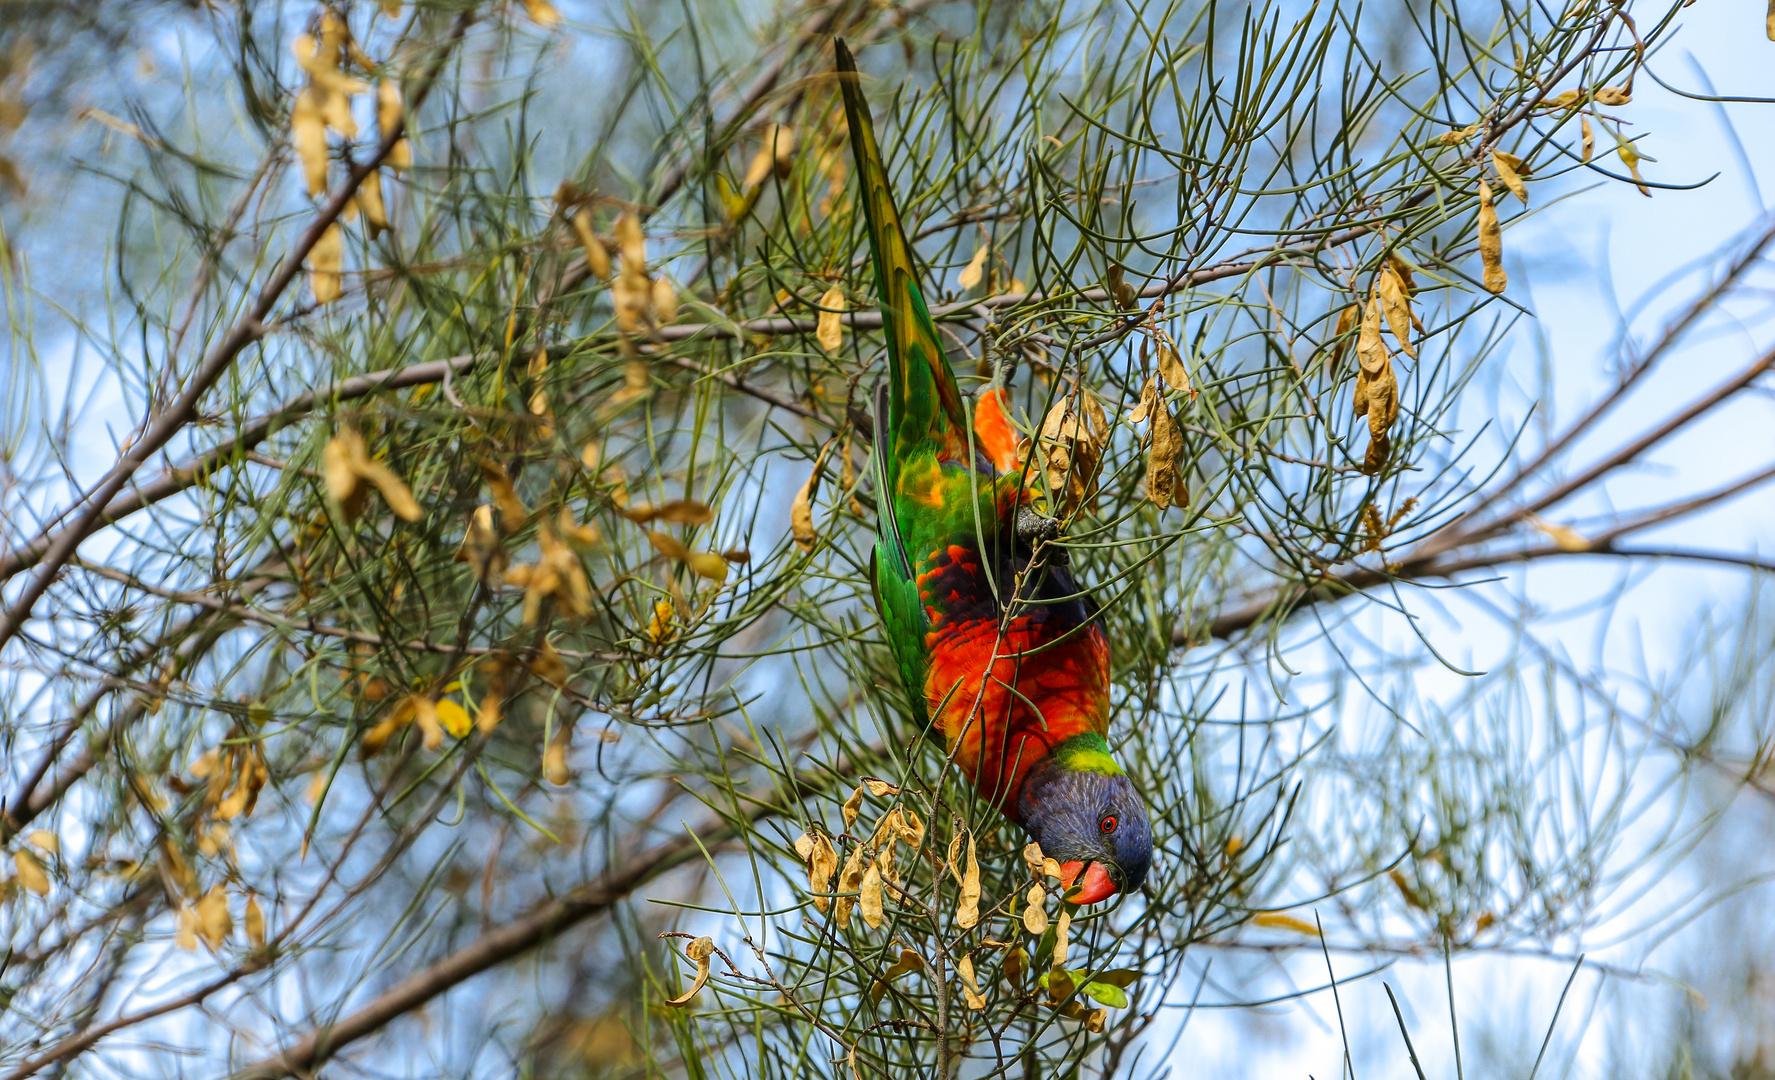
[(924, 406)]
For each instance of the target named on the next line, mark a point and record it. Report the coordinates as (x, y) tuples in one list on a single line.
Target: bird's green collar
[(1086, 753)]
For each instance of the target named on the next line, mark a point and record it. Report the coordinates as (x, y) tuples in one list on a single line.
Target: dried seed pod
[(308, 135), (542, 13), (186, 937), (1164, 479), (324, 261), (869, 896), (1070, 446), (801, 511), (975, 271), (493, 701), (676, 512), (1630, 158), (388, 117), (30, 872), (887, 829), (968, 914), (425, 714), (1395, 303), (1171, 369), (1510, 169), (775, 153), (1340, 342), (908, 962), (664, 298), (214, 923), (1062, 936), (548, 665), (1371, 352), (1035, 915), (505, 496), (971, 995), (1491, 241), (911, 828), (1281, 921), (1016, 965), (851, 880), (1149, 399), (699, 950), (554, 761), (1121, 293), (254, 922), (597, 255), (369, 199), (1565, 99), (573, 532), (830, 332), (817, 852), (1564, 537)]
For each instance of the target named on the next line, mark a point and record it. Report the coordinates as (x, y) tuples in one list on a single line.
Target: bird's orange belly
[(1004, 698)]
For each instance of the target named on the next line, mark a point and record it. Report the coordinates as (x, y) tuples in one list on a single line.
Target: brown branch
[(1639, 446), (541, 925), (75, 1044), (251, 434), (1427, 560), (1454, 537), (1284, 603), (1648, 517), (1673, 332), (78, 1043), (196, 637)]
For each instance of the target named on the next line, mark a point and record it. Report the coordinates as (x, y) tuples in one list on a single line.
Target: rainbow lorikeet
[(999, 648)]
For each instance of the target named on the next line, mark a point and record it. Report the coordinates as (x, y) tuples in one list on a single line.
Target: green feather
[(1087, 753), (924, 405), (915, 413), (925, 497)]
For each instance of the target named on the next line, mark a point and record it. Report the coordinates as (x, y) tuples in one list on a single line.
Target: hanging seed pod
[(968, 914), (1035, 915), (830, 333), (1491, 241)]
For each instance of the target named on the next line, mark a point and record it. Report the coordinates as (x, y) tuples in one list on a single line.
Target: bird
[(1001, 652)]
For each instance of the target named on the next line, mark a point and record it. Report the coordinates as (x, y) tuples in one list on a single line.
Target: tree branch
[(542, 924), (1286, 602), (249, 328)]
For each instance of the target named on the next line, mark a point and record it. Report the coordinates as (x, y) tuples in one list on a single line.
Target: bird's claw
[(1035, 528)]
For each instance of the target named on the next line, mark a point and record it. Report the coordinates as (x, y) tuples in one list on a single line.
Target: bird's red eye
[(1108, 824)]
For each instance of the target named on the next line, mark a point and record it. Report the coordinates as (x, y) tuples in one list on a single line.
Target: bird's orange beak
[(1093, 888)]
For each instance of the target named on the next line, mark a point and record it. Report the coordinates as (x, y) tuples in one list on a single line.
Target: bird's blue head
[(1078, 804)]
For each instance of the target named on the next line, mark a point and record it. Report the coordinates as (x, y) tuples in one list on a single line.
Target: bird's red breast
[(1005, 691)]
